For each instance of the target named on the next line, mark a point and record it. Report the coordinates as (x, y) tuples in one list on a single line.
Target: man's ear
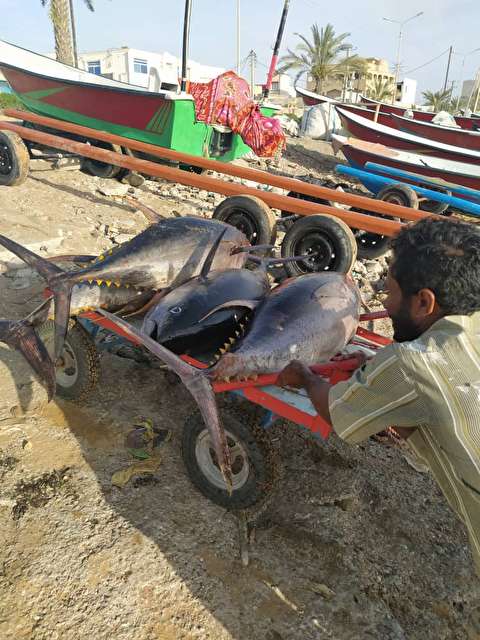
[(424, 304)]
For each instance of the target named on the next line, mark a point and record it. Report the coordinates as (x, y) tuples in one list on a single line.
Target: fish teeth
[(89, 281), (217, 356), (238, 334), (242, 326), (232, 340), (254, 377), (222, 351), (118, 284), (108, 283), (99, 282), (227, 346)]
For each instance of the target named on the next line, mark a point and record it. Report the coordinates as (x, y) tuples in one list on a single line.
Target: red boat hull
[(418, 146), (446, 135), (359, 157)]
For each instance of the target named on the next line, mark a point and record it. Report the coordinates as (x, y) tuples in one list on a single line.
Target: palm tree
[(438, 100), (61, 19), (320, 58), (381, 90)]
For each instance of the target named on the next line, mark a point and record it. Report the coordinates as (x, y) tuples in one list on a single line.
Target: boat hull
[(358, 153), (368, 131), (445, 135), (140, 115)]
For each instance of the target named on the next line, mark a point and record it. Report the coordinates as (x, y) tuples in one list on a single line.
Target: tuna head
[(309, 318), (206, 312)]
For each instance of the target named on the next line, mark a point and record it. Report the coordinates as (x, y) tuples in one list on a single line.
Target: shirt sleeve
[(378, 395)]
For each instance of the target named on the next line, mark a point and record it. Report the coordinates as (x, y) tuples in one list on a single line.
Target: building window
[(94, 67), (140, 66)]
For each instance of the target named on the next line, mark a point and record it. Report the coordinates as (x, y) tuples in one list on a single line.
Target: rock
[(122, 237), (117, 189)]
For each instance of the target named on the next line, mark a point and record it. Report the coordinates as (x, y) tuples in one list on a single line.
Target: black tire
[(14, 159), (330, 238), (300, 196), (400, 194), (102, 169), (78, 374), (251, 216), (431, 206), (256, 476)]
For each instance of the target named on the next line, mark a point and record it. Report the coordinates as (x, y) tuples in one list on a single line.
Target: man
[(427, 382)]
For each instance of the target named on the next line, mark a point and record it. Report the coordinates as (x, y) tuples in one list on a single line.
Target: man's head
[(435, 271)]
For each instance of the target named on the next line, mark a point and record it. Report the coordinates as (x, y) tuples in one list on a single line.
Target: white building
[(144, 68), (406, 92)]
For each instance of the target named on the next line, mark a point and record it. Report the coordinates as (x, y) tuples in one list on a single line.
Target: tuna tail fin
[(198, 385), (23, 337), (46, 269)]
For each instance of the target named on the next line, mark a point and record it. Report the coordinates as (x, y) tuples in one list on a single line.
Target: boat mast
[(186, 41), (276, 49)]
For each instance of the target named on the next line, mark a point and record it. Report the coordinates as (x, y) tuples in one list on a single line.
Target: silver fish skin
[(309, 318)]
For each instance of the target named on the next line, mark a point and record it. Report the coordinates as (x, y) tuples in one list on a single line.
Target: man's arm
[(297, 375)]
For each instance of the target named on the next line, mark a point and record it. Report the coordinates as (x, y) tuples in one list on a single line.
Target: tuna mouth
[(227, 350)]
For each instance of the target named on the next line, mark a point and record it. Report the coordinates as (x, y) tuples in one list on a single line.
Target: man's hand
[(295, 375)]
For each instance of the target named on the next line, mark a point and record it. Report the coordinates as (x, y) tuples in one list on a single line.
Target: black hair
[(442, 255)]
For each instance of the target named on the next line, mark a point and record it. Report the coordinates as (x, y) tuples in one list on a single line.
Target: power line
[(429, 62)]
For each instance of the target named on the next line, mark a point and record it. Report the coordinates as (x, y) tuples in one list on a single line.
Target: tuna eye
[(175, 310)]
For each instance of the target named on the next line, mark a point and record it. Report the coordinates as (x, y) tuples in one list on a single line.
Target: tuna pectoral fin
[(246, 304), (23, 337), (200, 388), (46, 269)]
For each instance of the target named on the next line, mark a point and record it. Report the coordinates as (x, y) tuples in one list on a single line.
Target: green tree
[(59, 11), (381, 90), (438, 100), (320, 58)]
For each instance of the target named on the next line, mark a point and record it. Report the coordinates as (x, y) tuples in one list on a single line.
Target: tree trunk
[(60, 16)]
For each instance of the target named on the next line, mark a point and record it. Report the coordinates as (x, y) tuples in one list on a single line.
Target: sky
[(156, 25)]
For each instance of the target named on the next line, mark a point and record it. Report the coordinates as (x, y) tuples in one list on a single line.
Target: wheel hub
[(244, 223), (5, 160), (319, 248), (207, 461)]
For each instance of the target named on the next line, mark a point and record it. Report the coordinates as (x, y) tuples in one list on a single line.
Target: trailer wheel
[(251, 216), (431, 206), (14, 159), (400, 194), (254, 462), (300, 196), (103, 169), (328, 240), (77, 372)]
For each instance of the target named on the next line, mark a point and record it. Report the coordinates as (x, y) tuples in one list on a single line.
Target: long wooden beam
[(290, 184), (295, 205)]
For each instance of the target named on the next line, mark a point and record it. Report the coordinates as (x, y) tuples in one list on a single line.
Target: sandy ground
[(355, 543)]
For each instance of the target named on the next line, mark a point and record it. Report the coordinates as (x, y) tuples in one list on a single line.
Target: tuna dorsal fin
[(248, 304), (207, 265), (46, 269)]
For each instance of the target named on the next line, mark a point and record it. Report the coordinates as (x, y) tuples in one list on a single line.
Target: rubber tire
[(300, 196), (338, 234), (400, 194), (18, 157), (102, 169), (263, 460), (431, 206), (87, 360), (257, 212)]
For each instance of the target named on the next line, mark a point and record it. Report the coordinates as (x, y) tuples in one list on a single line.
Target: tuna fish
[(166, 254), (310, 318)]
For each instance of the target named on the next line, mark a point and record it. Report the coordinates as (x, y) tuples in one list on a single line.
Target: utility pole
[(347, 72), (74, 34), (238, 37), (252, 56), (450, 51)]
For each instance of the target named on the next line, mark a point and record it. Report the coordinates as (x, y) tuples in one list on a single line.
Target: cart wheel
[(103, 169), (329, 240), (431, 206), (254, 462), (14, 159), (251, 216), (400, 194), (77, 373)]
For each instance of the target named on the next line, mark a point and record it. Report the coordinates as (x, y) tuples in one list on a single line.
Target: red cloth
[(226, 100)]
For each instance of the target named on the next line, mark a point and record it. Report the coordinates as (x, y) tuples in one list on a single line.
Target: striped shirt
[(432, 383)]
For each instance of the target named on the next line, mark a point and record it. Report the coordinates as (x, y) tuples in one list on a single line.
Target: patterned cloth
[(432, 383), (226, 100)]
